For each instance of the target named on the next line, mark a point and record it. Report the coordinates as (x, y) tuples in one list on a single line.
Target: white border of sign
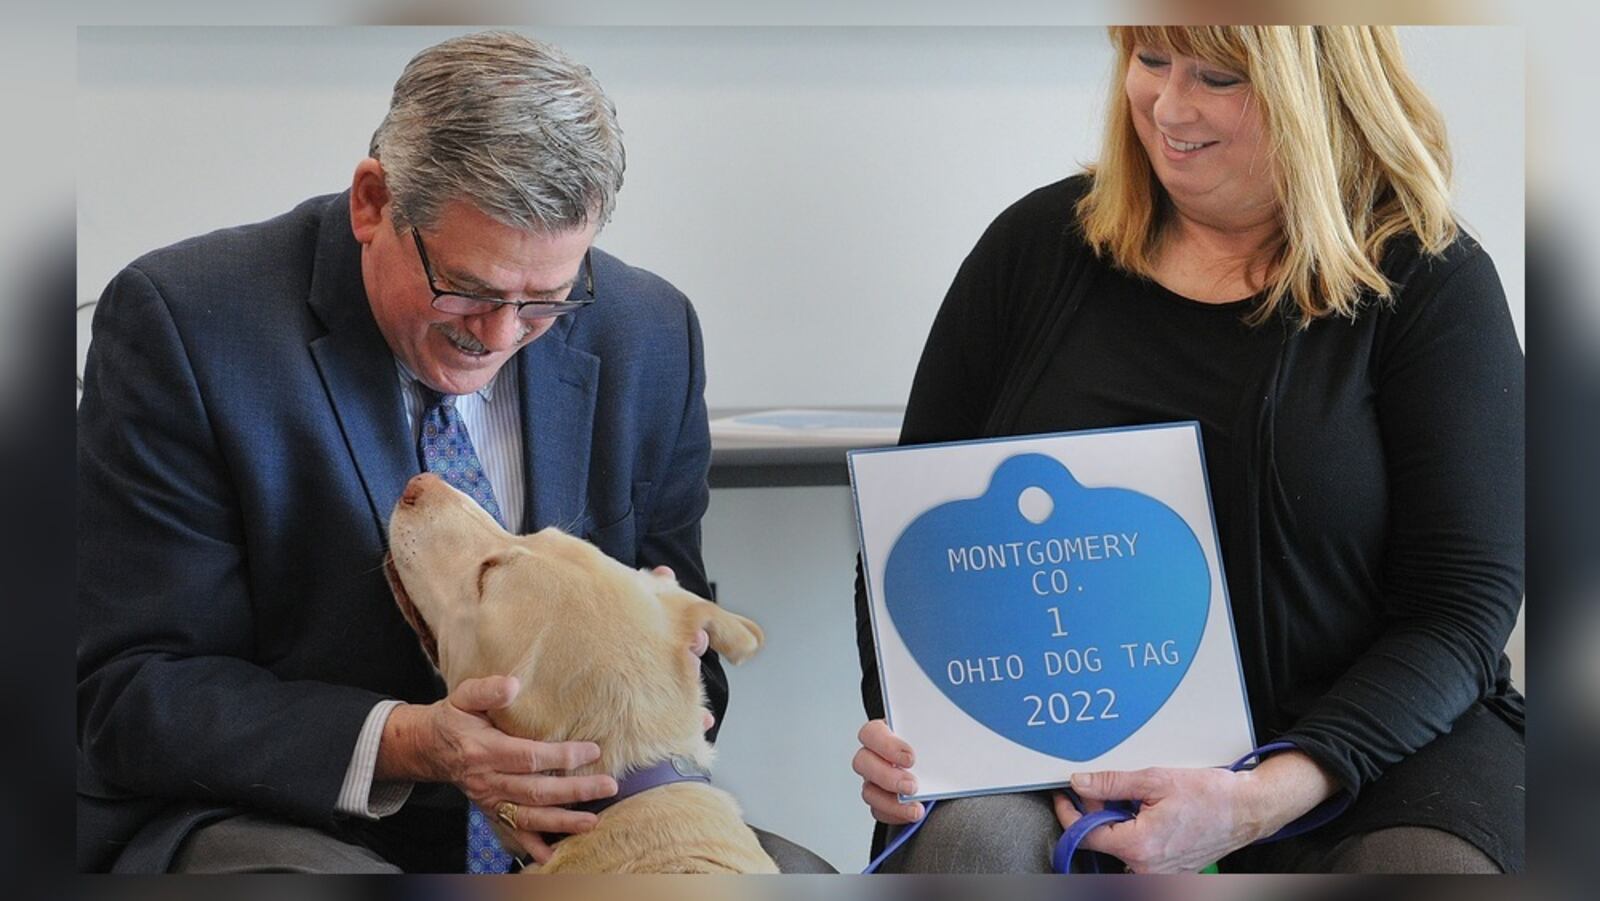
[(1206, 721)]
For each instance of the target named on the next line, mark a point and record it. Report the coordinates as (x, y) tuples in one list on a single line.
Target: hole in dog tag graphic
[(1035, 504), (1059, 616)]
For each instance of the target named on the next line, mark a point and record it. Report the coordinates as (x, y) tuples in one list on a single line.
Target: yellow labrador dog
[(600, 649)]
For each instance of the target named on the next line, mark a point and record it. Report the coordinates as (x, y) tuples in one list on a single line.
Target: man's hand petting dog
[(454, 741), (600, 632)]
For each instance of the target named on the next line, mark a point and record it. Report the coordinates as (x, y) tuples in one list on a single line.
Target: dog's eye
[(483, 572)]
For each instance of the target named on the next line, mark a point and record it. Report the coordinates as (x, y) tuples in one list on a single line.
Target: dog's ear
[(732, 635)]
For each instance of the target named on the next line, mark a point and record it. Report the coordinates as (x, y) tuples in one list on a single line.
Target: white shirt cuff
[(360, 796)]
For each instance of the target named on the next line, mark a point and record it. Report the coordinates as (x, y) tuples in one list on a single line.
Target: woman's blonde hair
[(1360, 157)]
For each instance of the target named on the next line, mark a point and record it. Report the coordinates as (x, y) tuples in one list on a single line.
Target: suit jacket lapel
[(558, 386), (357, 367)]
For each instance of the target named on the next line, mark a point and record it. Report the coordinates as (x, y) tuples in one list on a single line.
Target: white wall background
[(812, 190)]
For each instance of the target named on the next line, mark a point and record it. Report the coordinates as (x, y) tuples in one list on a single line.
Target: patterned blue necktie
[(444, 448)]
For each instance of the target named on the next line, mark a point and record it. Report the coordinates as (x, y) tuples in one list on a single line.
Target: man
[(249, 696)]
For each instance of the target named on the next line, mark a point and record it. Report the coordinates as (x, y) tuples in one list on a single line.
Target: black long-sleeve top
[(1367, 475)]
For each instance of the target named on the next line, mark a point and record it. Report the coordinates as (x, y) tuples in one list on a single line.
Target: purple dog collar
[(675, 769)]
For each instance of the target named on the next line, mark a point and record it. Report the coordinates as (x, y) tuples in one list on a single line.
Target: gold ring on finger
[(506, 812)]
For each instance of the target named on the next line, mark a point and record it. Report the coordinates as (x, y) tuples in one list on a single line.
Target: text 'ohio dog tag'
[(1061, 617), (1049, 604)]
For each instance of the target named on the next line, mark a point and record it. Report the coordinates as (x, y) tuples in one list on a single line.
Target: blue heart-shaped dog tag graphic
[(1059, 616)]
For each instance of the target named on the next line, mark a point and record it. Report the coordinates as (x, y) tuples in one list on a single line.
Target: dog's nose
[(414, 487)]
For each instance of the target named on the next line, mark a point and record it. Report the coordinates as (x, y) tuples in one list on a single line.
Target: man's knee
[(986, 834), (1409, 849), (248, 843)]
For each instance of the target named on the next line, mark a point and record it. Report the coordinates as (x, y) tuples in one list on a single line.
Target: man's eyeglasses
[(462, 304)]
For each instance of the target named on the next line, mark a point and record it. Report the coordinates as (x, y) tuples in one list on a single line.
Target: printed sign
[(1049, 605)]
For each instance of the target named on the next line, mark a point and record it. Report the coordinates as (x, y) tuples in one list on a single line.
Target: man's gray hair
[(508, 124)]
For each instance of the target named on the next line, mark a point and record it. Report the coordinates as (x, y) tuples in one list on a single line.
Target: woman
[(1266, 246)]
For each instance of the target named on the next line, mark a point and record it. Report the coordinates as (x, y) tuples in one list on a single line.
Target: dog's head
[(602, 650)]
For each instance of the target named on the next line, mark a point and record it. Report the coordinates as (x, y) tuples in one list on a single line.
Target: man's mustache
[(467, 342)]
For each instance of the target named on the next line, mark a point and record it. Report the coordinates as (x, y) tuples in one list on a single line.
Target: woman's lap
[(1456, 805)]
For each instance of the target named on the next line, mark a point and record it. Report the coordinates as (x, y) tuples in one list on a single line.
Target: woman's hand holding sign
[(1189, 818), (884, 763)]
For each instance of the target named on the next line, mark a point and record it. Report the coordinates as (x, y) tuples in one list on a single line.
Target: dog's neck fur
[(621, 750)]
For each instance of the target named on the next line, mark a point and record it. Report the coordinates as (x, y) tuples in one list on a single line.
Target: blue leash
[(1121, 811)]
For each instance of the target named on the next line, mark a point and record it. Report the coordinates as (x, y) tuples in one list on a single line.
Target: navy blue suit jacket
[(242, 440)]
